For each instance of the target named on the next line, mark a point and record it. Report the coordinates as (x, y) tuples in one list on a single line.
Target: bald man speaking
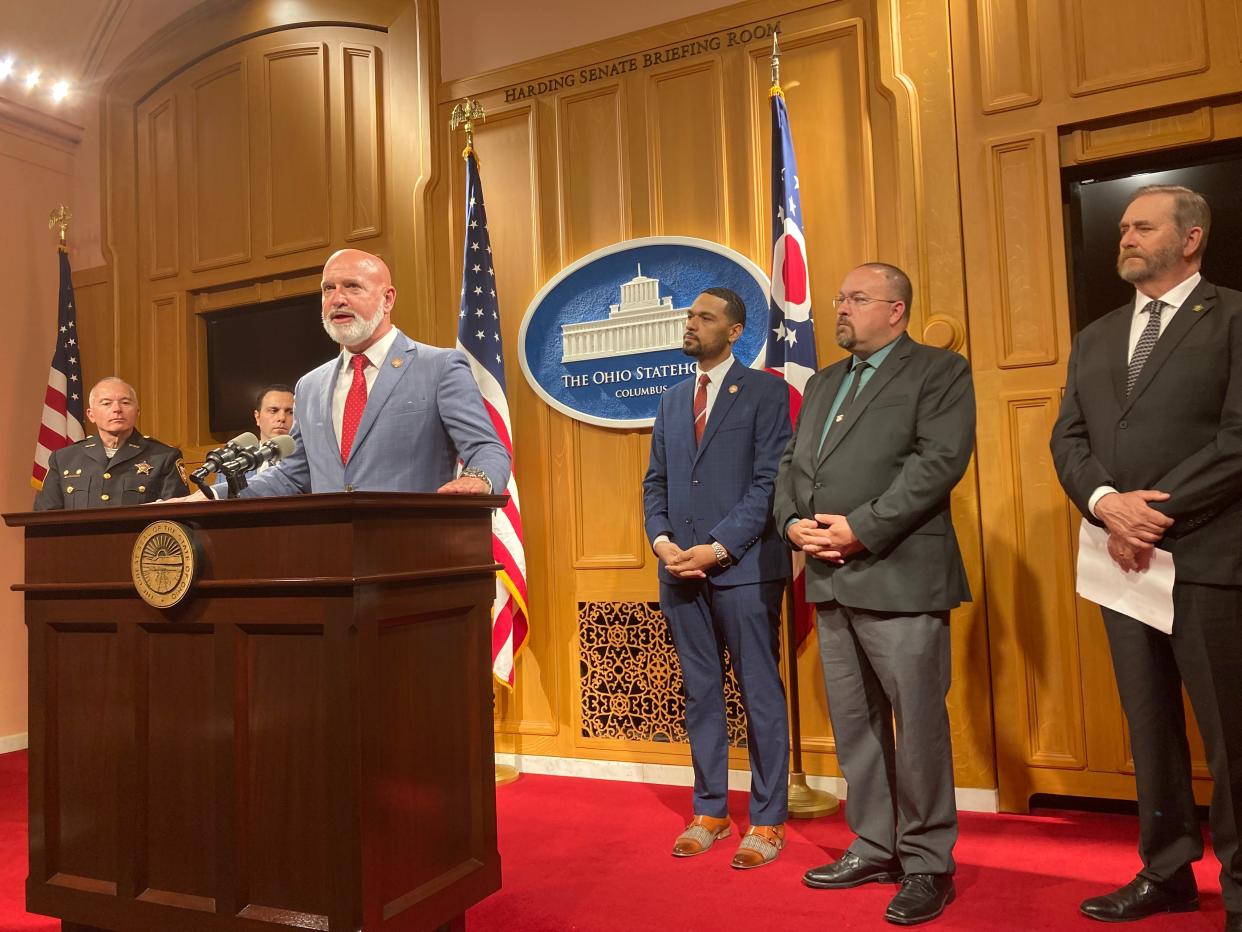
[(389, 414)]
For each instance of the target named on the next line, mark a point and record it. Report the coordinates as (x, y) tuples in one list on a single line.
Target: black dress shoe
[(1141, 898), (1233, 922), (849, 871), (921, 897)]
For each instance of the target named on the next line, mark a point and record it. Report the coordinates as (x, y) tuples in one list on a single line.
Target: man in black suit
[(863, 489), (1149, 444)]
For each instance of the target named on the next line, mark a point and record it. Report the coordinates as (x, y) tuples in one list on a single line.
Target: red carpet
[(13, 915), (593, 855)]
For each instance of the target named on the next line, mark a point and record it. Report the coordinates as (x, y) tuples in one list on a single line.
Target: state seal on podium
[(164, 563)]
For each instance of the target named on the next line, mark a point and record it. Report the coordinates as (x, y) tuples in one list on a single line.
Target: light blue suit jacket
[(423, 414)]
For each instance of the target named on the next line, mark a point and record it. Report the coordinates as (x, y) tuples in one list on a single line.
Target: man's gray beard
[(1153, 267), (356, 331), (847, 340)]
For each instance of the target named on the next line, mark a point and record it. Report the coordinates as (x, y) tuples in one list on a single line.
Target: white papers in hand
[(1147, 596)]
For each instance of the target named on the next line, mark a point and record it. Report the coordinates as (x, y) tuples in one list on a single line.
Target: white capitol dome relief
[(642, 323)]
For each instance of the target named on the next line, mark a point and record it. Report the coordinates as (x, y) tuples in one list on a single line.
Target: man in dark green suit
[(863, 490), (117, 466), (1148, 444)]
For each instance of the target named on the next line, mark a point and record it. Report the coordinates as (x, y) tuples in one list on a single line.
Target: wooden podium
[(304, 742)]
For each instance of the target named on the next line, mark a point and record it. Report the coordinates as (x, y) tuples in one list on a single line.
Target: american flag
[(790, 348), (478, 336), (63, 410)]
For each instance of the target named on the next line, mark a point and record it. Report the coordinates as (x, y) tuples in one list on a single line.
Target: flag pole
[(60, 217), (464, 116), (805, 802)]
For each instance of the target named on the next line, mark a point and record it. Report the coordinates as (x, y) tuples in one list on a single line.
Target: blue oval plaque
[(601, 342)]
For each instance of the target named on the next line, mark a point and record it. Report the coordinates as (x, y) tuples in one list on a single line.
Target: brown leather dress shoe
[(699, 835), (759, 846)]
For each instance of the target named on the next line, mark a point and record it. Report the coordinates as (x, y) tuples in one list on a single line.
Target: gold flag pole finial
[(60, 217), (466, 114), (775, 90)]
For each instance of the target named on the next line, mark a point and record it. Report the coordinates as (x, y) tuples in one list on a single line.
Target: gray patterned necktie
[(1146, 341)]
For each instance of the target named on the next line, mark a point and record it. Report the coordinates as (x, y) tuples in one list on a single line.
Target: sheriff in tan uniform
[(118, 466)]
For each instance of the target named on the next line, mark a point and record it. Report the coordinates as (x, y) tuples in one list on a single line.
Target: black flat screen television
[(253, 346), (1095, 197)]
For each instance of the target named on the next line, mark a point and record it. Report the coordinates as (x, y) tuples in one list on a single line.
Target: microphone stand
[(236, 481)]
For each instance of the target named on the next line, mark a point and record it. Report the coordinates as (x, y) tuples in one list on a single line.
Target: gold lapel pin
[(732, 389), (396, 363), (1197, 308)]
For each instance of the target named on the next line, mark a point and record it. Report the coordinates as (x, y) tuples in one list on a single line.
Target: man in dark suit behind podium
[(1149, 444), (883, 437), (707, 498)]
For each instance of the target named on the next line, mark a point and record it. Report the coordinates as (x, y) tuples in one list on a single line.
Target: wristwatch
[(722, 555), (474, 472)]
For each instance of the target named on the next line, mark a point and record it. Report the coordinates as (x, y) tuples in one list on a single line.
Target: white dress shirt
[(715, 375), (376, 354), (1173, 299)]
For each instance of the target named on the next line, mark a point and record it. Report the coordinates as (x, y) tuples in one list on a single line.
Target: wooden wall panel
[(1130, 135), (609, 468), (1103, 61), (1048, 681), (363, 136), (593, 205), (163, 367), (296, 166), (1025, 315), (219, 165), (1008, 54), (687, 152), (158, 173)]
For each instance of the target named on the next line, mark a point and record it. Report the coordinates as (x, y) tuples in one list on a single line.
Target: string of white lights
[(33, 77)]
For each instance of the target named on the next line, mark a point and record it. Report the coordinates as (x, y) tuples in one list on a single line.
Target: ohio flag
[(790, 348), (478, 336)]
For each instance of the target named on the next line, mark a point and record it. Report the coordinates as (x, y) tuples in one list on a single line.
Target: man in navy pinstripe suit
[(707, 496)]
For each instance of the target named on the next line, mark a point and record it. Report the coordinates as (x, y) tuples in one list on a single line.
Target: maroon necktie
[(355, 401), (700, 409)]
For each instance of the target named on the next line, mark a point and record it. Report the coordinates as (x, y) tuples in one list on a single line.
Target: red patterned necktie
[(355, 401), (700, 409)]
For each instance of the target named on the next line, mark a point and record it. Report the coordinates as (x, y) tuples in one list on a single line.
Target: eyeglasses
[(858, 300)]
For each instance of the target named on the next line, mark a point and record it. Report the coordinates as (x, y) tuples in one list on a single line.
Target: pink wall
[(35, 175)]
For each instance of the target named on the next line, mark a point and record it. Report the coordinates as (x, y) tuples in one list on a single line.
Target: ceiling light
[(32, 78), (6, 68), (60, 90)]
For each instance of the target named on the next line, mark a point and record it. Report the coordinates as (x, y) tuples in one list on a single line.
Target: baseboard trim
[(969, 799), (10, 743)]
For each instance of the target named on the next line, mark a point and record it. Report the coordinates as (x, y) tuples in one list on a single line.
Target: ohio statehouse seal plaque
[(163, 563)]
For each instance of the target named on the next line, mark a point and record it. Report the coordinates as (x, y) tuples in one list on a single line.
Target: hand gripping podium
[(303, 741)]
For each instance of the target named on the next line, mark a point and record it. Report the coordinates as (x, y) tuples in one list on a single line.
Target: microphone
[(221, 455), (269, 451)]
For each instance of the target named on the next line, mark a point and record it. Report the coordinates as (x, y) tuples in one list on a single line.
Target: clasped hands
[(692, 563), (825, 537), (1134, 527)]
